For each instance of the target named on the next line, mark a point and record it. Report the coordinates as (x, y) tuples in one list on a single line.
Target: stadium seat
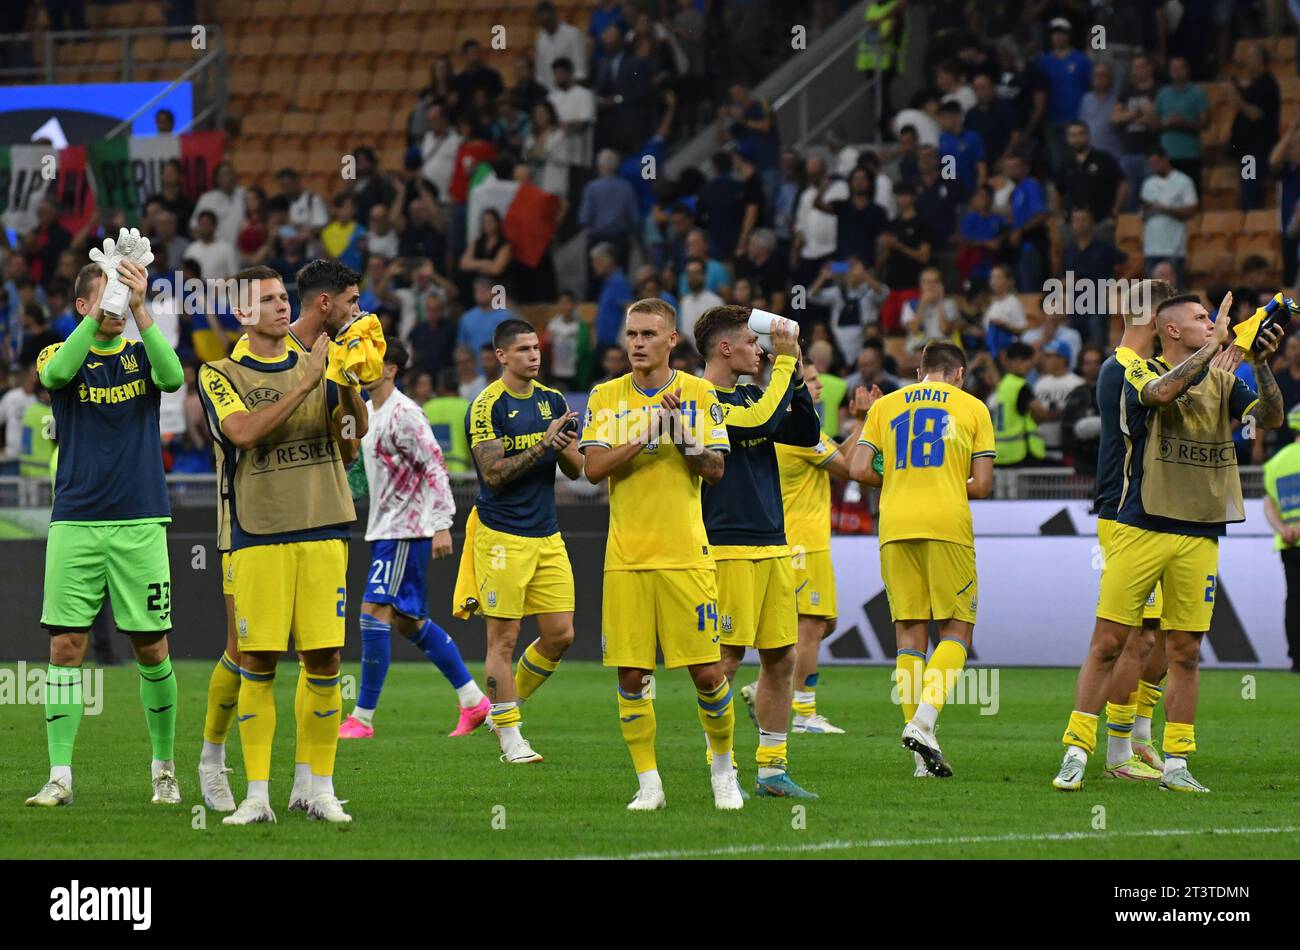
[(148, 49), (1290, 88), (107, 51), (292, 44), (1284, 50), (1222, 223), (1270, 253), (329, 44), (367, 44), (304, 11), (261, 123), (252, 46), (1128, 226), (1260, 223)]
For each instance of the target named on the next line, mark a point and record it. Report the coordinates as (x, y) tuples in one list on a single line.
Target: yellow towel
[(357, 355), (1246, 331), (464, 599)]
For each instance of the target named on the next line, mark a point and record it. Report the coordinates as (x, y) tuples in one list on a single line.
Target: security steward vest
[(291, 482), (882, 42), (1189, 464), (1016, 432)]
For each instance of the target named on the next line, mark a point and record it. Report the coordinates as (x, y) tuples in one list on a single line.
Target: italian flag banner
[(115, 173), (529, 215)]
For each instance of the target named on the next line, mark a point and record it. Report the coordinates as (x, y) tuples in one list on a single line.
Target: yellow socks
[(1180, 740), (772, 756), (937, 682), (532, 671), (636, 715), (909, 667), (718, 717), (301, 745), (1119, 732), (1145, 699), (804, 702), (318, 722), (257, 722), (223, 698), (1081, 732)]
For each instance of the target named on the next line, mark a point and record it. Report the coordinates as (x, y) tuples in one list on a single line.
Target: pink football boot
[(354, 728), (472, 718)]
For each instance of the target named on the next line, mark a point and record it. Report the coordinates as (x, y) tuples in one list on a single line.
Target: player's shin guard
[(718, 716), (158, 696), (804, 702), (319, 723), (1081, 732), (301, 744), (442, 652), (533, 670), (636, 716), (376, 654), (1119, 732), (772, 755), (256, 722), (506, 716), (1145, 699), (223, 698), (941, 674), (63, 711), (1179, 741), (909, 667)]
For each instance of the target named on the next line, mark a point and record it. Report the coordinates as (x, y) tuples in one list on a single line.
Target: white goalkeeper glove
[(130, 245)]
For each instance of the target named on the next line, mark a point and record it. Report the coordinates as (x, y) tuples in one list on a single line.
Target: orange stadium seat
[(1284, 50), (107, 51), (148, 49), (1260, 223), (1290, 88), (362, 44), (252, 46), (297, 123), (1222, 223), (329, 44), (292, 43), (183, 52), (345, 8), (304, 11), (1209, 255), (1128, 227), (74, 54)]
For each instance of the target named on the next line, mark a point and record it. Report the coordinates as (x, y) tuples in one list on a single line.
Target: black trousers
[(1291, 565)]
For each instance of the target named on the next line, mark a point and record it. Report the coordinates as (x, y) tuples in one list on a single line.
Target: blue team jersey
[(1110, 452), (525, 506), (1134, 428), (110, 445)]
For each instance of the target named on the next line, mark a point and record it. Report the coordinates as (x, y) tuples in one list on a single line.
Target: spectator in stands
[(1054, 329), (1080, 418), (1004, 317), (903, 158), (1123, 29), (565, 334), (1029, 216), (419, 386), (438, 149), (1183, 112), (372, 187), (382, 238), (1284, 165), (859, 220), (963, 148), (425, 226), (624, 102), (937, 199), (13, 405), (253, 243), (784, 203), (226, 201), (980, 239), (615, 294), (906, 248), (440, 89), (1091, 179), (478, 323), (37, 334), (1025, 87), (1287, 372), (1069, 76), (1091, 260), (165, 235), (1255, 128), (290, 259), (764, 268), (63, 316), (697, 299), (950, 78), (720, 207), (556, 40), (307, 211), (377, 289), (1097, 111), (993, 119), (1257, 286), (510, 124), (164, 121), (342, 238), (469, 381), (547, 151), (172, 195), (608, 210), (613, 363), (446, 413), (525, 92), (46, 242), (217, 259), (576, 107), (815, 231), (716, 276), (477, 77), (922, 116), (1168, 200), (883, 192), (433, 339), (932, 315), (1135, 114), (1052, 389), (747, 119), (854, 295), (870, 370), (488, 257)]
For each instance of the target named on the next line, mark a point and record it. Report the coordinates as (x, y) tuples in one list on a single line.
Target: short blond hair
[(1143, 299), (658, 306)]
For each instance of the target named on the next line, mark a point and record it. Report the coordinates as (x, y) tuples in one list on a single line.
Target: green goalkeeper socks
[(63, 710), (158, 696)]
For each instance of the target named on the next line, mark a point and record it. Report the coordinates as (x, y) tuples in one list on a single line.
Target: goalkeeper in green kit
[(108, 528)]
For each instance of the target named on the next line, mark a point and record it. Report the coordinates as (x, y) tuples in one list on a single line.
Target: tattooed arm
[(1164, 390), (499, 471), (704, 462), (1270, 411)]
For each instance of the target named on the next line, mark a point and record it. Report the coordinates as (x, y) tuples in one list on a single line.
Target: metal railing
[(207, 72)]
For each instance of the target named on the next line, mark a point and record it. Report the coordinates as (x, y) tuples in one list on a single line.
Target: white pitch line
[(918, 842)]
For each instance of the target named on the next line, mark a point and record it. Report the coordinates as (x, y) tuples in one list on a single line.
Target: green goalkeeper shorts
[(128, 561)]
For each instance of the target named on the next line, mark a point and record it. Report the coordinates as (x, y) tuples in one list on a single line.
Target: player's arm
[(164, 365), (567, 455), (840, 464), (764, 417), (349, 422), (980, 484), (800, 425), (870, 435), (1156, 391), (420, 450), (1269, 410), (702, 458), (58, 363), (499, 471), (601, 461), (984, 450), (246, 429)]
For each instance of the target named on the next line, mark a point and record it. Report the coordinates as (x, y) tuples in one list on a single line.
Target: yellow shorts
[(929, 580), (1137, 560), (298, 588), (756, 605), (678, 609), (814, 584), (519, 576), (227, 575), (1155, 602)]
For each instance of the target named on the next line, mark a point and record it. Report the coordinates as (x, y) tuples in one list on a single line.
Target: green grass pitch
[(414, 793)]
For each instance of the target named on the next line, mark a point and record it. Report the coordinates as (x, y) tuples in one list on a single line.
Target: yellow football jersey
[(927, 434), (655, 520), (291, 341), (806, 494)]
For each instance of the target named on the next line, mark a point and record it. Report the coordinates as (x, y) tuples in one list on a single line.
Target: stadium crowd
[(1013, 166)]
